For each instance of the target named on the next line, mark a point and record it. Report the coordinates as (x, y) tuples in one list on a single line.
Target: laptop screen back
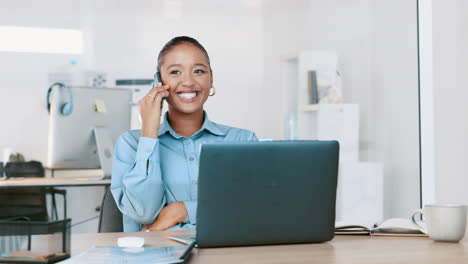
[(259, 193)]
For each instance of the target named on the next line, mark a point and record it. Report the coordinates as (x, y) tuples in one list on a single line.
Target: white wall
[(23, 79), (282, 26), (377, 46), (395, 117), (450, 82)]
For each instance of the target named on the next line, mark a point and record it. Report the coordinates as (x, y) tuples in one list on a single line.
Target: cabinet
[(360, 184)]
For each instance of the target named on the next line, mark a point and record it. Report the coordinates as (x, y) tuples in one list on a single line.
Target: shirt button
[(191, 158), (187, 142), (148, 150), (195, 182)]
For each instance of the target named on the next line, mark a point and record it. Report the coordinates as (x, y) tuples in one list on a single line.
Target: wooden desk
[(53, 182), (342, 249)]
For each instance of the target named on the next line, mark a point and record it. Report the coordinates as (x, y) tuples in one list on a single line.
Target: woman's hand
[(169, 216), (150, 110)]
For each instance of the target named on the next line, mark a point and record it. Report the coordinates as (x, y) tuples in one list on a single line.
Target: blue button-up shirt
[(149, 173)]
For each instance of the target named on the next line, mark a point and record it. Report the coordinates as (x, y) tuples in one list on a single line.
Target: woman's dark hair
[(177, 41)]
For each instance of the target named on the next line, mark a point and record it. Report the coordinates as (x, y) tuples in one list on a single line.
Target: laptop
[(264, 193)]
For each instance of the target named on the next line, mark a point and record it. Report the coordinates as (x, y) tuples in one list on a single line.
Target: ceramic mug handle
[(413, 217)]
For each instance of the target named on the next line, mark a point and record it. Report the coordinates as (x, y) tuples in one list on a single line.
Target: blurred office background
[(383, 70)]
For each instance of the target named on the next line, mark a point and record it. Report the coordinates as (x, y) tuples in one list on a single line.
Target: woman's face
[(185, 69)]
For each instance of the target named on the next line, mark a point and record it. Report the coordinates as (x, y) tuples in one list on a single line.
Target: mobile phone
[(157, 79)]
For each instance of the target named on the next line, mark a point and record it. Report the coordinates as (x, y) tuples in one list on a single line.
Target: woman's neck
[(186, 124)]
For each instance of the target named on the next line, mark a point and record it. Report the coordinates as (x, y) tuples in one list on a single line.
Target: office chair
[(21, 204), (28, 202), (110, 218)]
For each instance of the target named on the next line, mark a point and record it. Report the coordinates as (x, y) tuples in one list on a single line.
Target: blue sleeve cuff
[(191, 207), (145, 147), (252, 137)]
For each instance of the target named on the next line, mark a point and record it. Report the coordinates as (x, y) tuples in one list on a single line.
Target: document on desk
[(184, 239), (390, 227), (123, 255)]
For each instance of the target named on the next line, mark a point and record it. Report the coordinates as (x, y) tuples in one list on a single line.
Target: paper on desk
[(121, 255), (392, 223), (402, 223)]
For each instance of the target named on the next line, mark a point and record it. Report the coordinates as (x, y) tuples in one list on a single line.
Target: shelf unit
[(360, 184), (301, 115), (309, 108)]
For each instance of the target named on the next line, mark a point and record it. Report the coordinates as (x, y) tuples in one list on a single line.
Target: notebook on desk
[(390, 227), (260, 193)]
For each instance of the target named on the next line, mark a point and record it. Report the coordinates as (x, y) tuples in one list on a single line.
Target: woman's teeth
[(188, 95)]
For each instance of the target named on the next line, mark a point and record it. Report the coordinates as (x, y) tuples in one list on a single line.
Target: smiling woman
[(185, 65), (155, 169)]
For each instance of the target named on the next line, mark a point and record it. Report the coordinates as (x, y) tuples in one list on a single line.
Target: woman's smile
[(188, 96)]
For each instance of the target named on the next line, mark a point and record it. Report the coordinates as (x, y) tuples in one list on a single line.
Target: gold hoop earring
[(214, 91)]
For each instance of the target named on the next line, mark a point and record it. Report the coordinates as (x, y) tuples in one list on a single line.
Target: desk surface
[(53, 182), (342, 249)]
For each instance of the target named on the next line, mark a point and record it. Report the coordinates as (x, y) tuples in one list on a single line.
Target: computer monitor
[(84, 138)]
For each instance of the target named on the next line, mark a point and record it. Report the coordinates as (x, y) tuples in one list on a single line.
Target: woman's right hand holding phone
[(150, 110)]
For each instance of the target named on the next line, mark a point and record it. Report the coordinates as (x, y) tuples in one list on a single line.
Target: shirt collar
[(207, 125)]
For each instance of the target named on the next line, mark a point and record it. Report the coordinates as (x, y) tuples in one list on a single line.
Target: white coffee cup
[(445, 222)]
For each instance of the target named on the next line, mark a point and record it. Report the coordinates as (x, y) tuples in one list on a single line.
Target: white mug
[(445, 223)]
